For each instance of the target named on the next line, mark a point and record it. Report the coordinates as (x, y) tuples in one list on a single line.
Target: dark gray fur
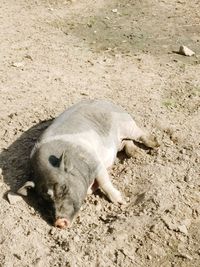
[(69, 175)]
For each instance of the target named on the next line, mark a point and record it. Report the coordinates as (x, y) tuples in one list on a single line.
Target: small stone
[(13, 198), (114, 10), (149, 257), (187, 178), (186, 256), (52, 231), (17, 64), (158, 250), (153, 228), (183, 229), (186, 222), (185, 51), (129, 171), (76, 238), (190, 174), (29, 57), (17, 256), (128, 254)]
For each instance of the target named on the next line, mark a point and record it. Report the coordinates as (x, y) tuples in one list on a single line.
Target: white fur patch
[(89, 141), (79, 139)]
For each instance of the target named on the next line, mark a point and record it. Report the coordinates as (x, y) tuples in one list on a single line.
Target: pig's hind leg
[(132, 132), (106, 185), (130, 148)]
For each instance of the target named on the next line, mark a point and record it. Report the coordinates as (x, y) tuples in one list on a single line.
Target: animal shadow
[(15, 165)]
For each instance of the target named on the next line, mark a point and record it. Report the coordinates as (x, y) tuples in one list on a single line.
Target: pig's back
[(99, 116), (94, 125)]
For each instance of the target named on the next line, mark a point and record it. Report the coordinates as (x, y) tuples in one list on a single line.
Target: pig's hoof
[(117, 198), (150, 141)]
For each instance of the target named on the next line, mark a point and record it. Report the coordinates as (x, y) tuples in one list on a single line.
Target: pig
[(72, 156)]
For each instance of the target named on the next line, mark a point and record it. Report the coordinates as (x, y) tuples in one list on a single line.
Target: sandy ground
[(54, 53)]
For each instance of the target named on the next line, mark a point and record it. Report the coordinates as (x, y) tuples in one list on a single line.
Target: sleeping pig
[(75, 151)]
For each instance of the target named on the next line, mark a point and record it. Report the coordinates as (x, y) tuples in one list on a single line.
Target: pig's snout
[(62, 223)]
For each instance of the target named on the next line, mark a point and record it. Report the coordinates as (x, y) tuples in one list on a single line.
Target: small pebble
[(190, 174), (114, 10), (183, 229), (186, 222), (185, 51), (149, 257), (129, 171), (76, 238), (52, 231), (28, 57), (187, 178), (17, 256), (17, 64)]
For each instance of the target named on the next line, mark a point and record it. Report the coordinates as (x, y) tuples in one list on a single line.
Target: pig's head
[(63, 181)]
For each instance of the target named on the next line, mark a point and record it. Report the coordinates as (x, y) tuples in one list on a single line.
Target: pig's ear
[(24, 189), (65, 162)]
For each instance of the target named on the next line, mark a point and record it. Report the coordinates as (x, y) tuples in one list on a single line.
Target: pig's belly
[(106, 148), (107, 155)]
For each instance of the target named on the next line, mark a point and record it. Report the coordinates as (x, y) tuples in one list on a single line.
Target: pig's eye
[(60, 190), (54, 161)]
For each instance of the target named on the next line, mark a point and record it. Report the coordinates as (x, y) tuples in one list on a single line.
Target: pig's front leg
[(106, 185)]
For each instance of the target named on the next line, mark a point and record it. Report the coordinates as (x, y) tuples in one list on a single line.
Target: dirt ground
[(54, 53)]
